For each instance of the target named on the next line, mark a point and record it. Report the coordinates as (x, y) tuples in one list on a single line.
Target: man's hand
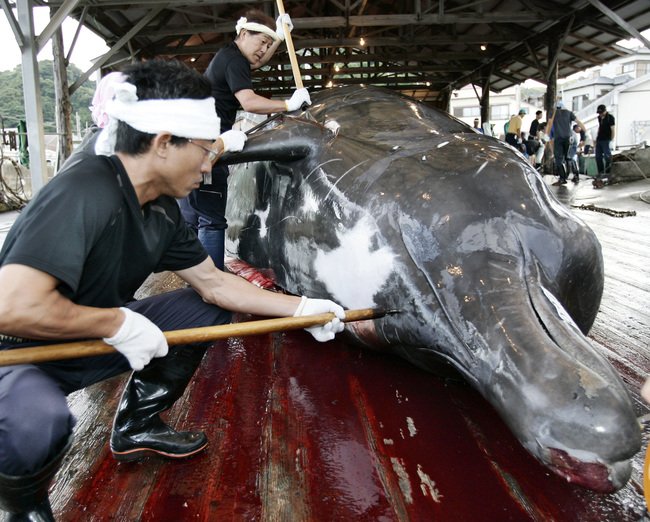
[(327, 331), (299, 97), (138, 339), (279, 27), (233, 140)]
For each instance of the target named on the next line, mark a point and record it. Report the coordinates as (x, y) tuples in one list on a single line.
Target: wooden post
[(62, 94)]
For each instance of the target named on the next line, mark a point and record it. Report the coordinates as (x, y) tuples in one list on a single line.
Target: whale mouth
[(597, 476)]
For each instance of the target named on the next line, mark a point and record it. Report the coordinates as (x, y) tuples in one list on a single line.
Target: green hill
[(11, 96)]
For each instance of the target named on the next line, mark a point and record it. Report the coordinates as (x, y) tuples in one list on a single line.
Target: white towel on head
[(243, 23), (182, 117)]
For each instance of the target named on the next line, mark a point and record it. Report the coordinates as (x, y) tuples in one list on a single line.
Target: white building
[(464, 105), (622, 85)]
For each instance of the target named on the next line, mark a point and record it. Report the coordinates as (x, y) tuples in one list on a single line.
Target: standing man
[(534, 126), (229, 72), (72, 262), (513, 136), (606, 128), (576, 140), (477, 126), (560, 124)]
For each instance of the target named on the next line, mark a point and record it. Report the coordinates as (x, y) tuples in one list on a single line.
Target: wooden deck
[(306, 431)]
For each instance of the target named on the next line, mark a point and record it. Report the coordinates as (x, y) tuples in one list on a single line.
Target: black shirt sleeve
[(55, 232)]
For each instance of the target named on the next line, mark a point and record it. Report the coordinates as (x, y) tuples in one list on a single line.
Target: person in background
[(513, 135), (583, 137), (573, 152), (477, 126), (73, 260), (535, 124), (560, 124), (606, 129), (531, 145), (104, 93), (588, 145), (229, 72), (543, 139)]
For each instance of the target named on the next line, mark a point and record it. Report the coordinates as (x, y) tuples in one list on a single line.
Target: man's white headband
[(182, 117), (243, 23)]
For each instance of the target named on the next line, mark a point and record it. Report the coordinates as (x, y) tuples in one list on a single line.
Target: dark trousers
[(204, 210), (603, 158), (561, 148), (34, 417), (511, 139)]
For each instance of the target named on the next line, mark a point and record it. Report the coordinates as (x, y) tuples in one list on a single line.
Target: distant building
[(623, 85), (464, 105), (581, 94)]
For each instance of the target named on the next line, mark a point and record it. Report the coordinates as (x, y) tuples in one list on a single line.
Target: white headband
[(243, 23), (182, 117)]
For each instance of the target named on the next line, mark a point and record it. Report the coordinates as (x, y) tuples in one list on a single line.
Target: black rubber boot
[(138, 430), (25, 497)]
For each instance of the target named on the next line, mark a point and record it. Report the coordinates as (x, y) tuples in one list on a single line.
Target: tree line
[(12, 105)]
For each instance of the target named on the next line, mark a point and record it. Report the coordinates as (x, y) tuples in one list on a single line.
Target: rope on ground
[(608, 211), (11, 197)]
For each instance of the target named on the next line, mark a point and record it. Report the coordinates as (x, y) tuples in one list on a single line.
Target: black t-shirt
[(86, 228), (605, 125), (228, 72), (562, 123), (533, 128)]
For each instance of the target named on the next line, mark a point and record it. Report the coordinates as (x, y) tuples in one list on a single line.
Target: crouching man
[(72, 262)]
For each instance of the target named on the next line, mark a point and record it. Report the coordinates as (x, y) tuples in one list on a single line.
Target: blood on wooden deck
[(301, 430)]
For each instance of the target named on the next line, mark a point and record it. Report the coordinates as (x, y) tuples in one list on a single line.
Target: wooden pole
[(57, 352), (297, 77), (62, 103)]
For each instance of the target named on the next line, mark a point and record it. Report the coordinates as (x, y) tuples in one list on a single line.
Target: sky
[(88, 44)]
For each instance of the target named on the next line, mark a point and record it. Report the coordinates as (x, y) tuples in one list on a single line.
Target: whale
[(373, 199)]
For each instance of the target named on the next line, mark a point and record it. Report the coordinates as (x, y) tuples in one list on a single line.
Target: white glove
[(138, 339), (279, 27), (233, 140), (325, 332), (299, 97)]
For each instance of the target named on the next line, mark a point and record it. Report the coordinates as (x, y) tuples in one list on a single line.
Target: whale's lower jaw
[(596, 476)]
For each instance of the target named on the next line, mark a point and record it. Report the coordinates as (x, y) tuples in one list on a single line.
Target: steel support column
[(32, 94)]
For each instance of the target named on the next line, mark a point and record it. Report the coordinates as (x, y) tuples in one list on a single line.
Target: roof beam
[(334, 22), (76, 34), (353, 71), (621, 51), (55, 22), (121, 43), (619, 21), (13, 23), (581, 54), (330, 43)]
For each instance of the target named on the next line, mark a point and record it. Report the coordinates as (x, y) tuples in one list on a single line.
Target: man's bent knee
[(34, 419)]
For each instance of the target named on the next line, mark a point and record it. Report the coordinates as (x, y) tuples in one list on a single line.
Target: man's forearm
[(234, 293), (33, 308)]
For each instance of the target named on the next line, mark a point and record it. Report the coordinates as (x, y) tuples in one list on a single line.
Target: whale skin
[(374, 199)]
